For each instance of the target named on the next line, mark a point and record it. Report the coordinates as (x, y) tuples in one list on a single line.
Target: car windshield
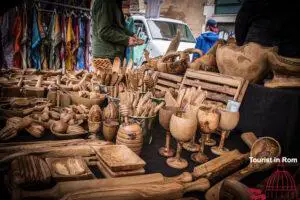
[(167, 30)]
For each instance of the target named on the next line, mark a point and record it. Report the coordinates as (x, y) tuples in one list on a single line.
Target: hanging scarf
[(80, 52), (17, 31), (76, 40), (35, 44), (69, 42), (44, 60), (55, 41), (7, 37), (63, 43), (24, 39), (88, 49)]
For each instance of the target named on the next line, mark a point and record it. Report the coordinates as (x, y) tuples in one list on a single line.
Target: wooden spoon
[(265, 147)]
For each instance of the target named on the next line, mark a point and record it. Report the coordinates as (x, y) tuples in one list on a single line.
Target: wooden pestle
[(63, 188)]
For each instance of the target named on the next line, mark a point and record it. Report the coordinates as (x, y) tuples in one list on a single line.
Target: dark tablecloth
[(275, 113)]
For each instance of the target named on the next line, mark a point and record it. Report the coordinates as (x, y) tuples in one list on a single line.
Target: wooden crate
[(219, 87), (166, 81)]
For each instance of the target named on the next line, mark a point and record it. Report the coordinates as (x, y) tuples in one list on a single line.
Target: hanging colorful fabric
[(24, 39), (76, 40), (55, 41), (44, 59), (69, 42), (17, 31), (35, 44), (88, 52), (80, 52), (63, 43), (7, 38)]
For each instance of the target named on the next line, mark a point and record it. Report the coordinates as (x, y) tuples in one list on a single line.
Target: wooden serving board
[(108, 173), (120, 158), (84, 175)]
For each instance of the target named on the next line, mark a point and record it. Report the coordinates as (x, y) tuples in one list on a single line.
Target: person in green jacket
[(110, 37)]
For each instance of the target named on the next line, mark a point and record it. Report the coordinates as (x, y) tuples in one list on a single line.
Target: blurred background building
[(194, 12)]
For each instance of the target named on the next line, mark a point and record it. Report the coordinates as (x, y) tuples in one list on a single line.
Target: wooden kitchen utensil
[(108, 173), (29, 171), (263, 148), (150, 186), (138, 192), (69, 168), (120, 158)]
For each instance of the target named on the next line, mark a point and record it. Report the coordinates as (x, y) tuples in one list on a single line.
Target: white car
[(159, 33)]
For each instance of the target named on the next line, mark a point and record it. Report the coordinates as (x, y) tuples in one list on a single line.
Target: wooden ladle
[(264, 147)]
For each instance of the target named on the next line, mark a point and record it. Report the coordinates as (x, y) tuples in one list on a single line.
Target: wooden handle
[(201, 185), (232, 159), (249, 138), (138, 191), (185, 177), (130, 192), (63, 188), (214, 192)]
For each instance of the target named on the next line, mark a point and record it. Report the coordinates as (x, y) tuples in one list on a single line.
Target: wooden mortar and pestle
[(265, 148)]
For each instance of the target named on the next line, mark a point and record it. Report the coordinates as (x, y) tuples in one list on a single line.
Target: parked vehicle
[(158, 34)]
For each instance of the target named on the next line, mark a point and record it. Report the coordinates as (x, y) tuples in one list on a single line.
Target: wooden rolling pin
[(63, 188), (150, 191)]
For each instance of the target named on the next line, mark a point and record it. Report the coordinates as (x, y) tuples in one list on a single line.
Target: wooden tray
[(219, 87), (108, 173), (84, 175), (120, 158)]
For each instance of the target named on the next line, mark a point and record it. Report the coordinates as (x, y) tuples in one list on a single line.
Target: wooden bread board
[(108, 173), (119, 158)]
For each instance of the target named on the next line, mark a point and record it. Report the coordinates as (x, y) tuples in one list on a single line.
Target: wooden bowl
[(182, 129), (165, 114), (228, 120), (66, 135), (85, 101)]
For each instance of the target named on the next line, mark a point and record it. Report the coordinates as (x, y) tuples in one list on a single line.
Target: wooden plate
[(120, 158)]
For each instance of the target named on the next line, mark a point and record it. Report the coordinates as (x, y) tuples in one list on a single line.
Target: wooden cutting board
[(120, 158), (108, 173)]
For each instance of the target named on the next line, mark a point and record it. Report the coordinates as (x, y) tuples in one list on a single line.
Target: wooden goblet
[(228, 121), (165, 114), (208, 121), (182, 129)]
